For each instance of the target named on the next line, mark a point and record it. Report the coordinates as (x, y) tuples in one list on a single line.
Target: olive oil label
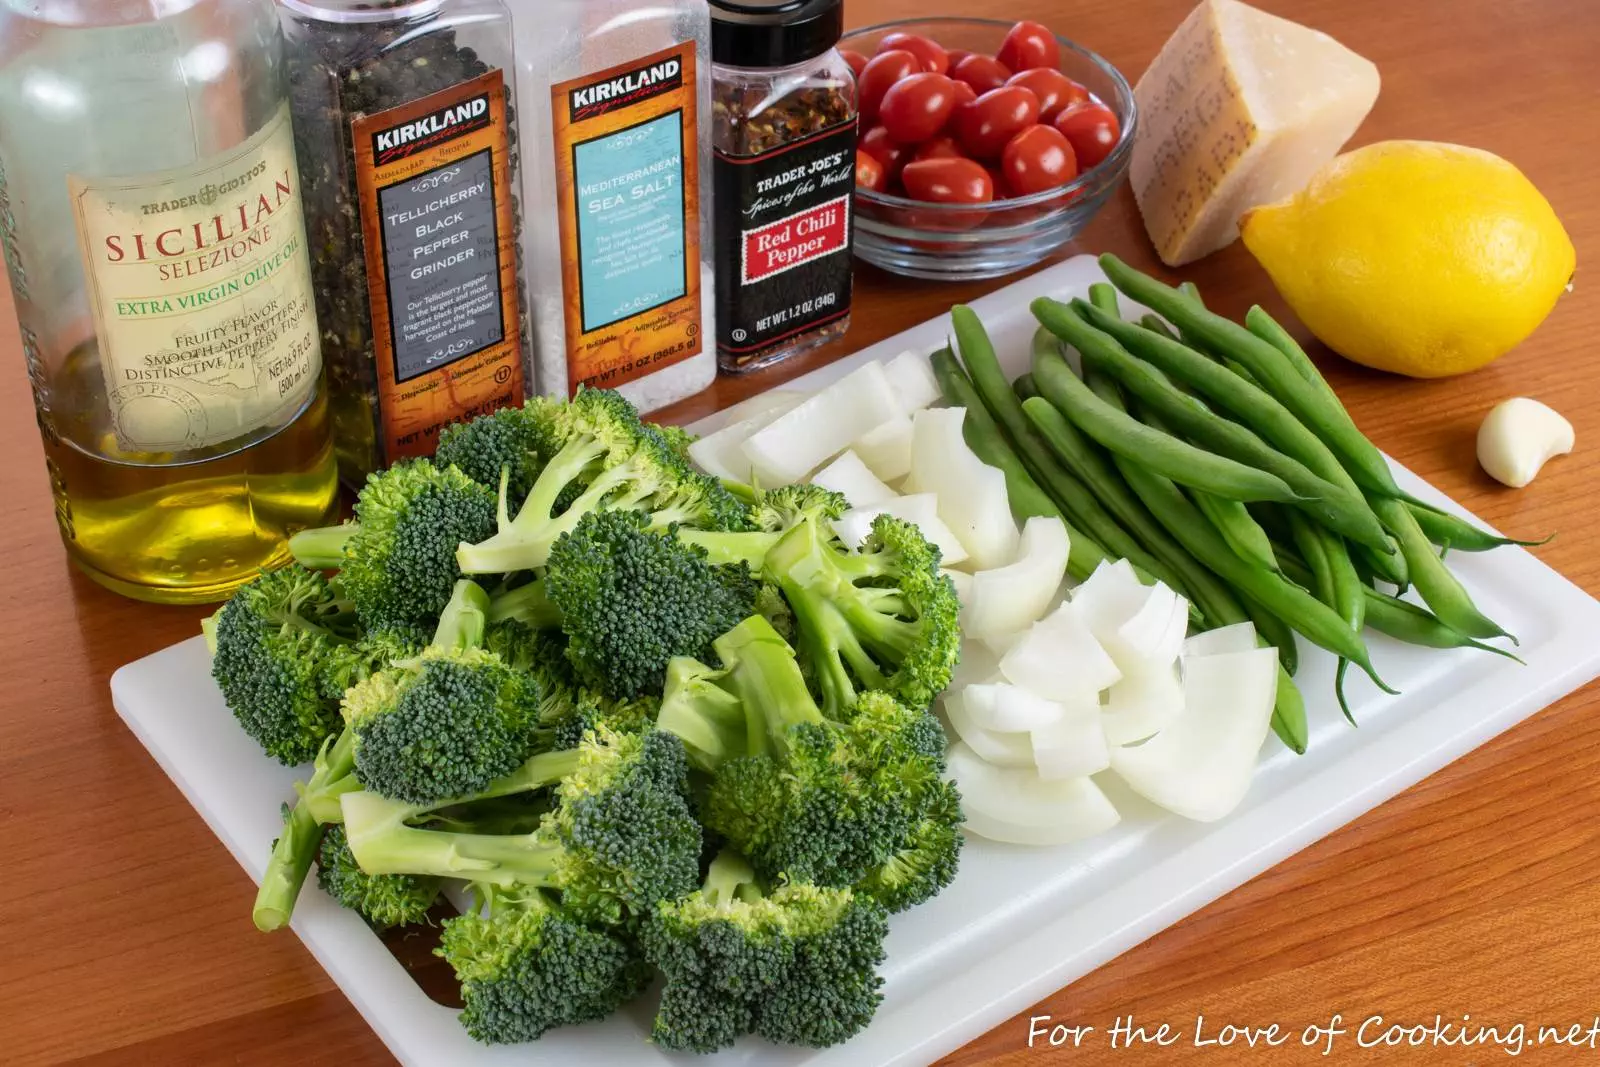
[(784, 217), (627, 192), (434, 180), (201, 292)]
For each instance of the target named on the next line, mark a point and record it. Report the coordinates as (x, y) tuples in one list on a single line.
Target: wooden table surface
[(125, 934)]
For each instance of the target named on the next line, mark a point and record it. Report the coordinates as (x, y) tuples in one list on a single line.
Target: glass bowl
[(963, 242)]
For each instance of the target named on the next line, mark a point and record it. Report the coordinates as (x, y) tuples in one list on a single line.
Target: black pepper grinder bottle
[(784, 140)]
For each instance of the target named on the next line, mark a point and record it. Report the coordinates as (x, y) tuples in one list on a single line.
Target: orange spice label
[(434, 178), (627, 186)]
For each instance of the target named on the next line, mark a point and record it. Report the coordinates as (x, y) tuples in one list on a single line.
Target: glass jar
[(406, 134), (784, 144), (152, 222), (615, 96)]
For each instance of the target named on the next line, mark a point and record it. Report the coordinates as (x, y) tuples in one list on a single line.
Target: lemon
[(1415, 257)]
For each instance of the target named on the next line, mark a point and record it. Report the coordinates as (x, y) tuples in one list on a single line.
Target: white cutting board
[(1018, 923)]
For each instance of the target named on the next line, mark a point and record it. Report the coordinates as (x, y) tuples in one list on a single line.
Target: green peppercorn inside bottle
[(406, 134)]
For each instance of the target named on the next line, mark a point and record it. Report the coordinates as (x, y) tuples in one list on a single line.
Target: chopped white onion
[(1011, 598), (963, 583), (1200, 766), (822, 426), (1142, 703), (972, 495), (1239, 637), (852, 479), (1009, 709), (1017, 806), (886, 450), (1072, 746), (978, 663), (721, 453), (911, 375), (1060, 659), (1003, 750)]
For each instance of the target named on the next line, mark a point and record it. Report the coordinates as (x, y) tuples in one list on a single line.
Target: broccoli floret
[(927, 860), (619, 464), (722, 949), (274, 639), (397, 560), (447, 723), (590, 711), (676, 437), (772, 514), (802, 795), (384, 900), (528, 966), (620, 839), (631, 599), (506, 441), (879, 618), (831, 990), (373, 651)]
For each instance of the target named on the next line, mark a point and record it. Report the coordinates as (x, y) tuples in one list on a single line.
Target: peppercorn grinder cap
[(773, 33)]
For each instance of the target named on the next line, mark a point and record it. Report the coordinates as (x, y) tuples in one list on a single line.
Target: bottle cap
[(773, 33)]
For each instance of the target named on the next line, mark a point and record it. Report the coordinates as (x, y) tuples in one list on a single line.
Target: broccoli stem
[(524, 542), (749, 547), (322, 549), (296, 847), (527, 604), (764, 675), (383, 843), (464, 619), (730, 877)]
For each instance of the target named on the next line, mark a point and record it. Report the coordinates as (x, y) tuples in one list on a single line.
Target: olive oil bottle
[(154, 236)]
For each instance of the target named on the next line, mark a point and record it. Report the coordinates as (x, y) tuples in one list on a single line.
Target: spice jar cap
[(773, 33)]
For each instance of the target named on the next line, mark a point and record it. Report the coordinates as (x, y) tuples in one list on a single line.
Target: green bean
[(1192, 291), (1335, 582), (1024, 387), (1072, 496), (1079, 457), (1451, 531), (1403, 620), (1288, 602), (1163, 453), (1232, 520), (1157, 325), (1275, 632), (1264, 326), (986, 441), (1389, 566), (1441, 590), (1099, 339), (1328, 419), (1104, 296)]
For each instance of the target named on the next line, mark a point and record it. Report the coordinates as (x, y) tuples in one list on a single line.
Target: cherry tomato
[(931, 54), (917, 107), (985, 125), (981, 72), (939, 148), (956, 56), (870, 173), (1092, 131), (1037, 159), (965, 94), (948, 181), (855, 59), (1029, 45), (1001, 191), (1054, 89), (877, 143), (882, 71)]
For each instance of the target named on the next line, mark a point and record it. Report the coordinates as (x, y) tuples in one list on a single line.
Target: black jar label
[(784, 221)]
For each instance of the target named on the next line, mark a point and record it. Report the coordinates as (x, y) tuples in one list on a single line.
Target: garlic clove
[(1518, 437)]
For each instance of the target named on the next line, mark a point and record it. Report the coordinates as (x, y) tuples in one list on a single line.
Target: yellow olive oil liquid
[(190, 531)]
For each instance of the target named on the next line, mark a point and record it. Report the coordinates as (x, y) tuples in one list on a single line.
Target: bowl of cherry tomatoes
[(985, 145)]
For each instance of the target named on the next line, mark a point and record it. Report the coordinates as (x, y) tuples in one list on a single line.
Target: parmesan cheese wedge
[(1240, 108)]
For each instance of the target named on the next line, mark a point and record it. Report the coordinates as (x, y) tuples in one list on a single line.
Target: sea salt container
[(614, 102)]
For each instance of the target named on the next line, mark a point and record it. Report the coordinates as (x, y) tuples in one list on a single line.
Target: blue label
[(630, 220)]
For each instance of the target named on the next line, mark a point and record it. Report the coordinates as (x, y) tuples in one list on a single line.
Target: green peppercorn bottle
[(784, 146), (405, 131)]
